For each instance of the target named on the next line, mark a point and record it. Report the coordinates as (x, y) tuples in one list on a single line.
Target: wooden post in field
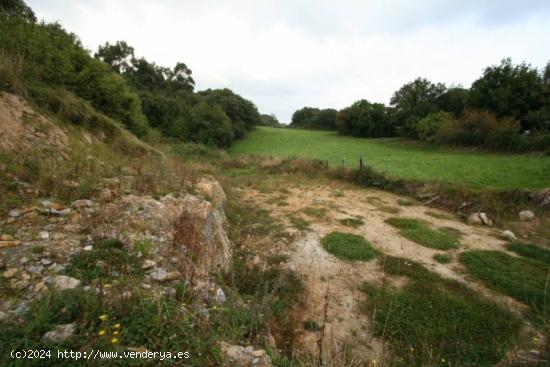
[(360, 163)]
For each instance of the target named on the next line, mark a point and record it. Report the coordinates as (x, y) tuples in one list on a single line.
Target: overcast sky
[(286, 54)]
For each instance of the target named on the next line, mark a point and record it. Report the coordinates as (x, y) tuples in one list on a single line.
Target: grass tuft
[(420, 233), (351, 222), (443, 258), (525, 280), (433, 321), (348, 246), (530, 251)]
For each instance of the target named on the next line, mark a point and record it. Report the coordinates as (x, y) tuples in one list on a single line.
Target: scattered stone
[(35, 269), (509, 235), (10, 273), (88, 248), (38, 287), (480, 218), (45, 261), (240, 356), (60, 333), (58, 268), (542, 198), (22, 284), (127, 295), (84, 203), (7, 244), (23, 260), (148, 264), (6, 237), (63, 282), (526, 215), (161, 275), (43, 235), (14, 213), (220, 296)]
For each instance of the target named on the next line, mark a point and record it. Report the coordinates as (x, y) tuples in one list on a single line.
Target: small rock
[(85, 203), (58, 268), (526, 215), (22, 284), (38, 287), (23, 260), (6, 237), (148, 264), (43, 235), (45, 261), (161, 275), (6, 244), (63, 282), (258, 353), (60, 333), (88, 248), (479, 218), (485, 219), (248, 350), (14, 213), (220, 296), (9, 273), (35, 269), (509, 235), (127, 295)]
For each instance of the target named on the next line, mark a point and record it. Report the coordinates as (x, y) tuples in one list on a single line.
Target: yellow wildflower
[(103, 317), (101, 332), (115, 333), (114, 340), (116, 326)]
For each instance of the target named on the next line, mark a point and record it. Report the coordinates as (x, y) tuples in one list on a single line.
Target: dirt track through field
[(333, 285)]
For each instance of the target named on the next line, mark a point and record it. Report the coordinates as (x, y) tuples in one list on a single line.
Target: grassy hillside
[(401, 158)]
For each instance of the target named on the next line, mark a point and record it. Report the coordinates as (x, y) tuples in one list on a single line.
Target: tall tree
[(509, 91), (414, 101), (17, 9)]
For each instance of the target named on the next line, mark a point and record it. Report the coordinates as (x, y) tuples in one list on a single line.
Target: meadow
[(402, 158)]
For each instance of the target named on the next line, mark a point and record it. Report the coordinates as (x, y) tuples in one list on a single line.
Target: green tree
[(429, 125), (242, 113), (414, 101), (270, 120), (509, 91), (209, 125), (17, 9), (364, 119), (119, 56)]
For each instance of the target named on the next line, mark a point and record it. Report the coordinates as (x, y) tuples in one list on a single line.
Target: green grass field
[(402, 158)]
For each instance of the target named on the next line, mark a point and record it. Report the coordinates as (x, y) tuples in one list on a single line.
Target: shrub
[(428, 126), (481, 129)]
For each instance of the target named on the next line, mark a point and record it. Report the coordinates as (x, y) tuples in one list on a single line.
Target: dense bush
[(509, 91), (429, 125), (479, 128), (46, 54), (364, 119), (209, 125), (242, 113), (314, 118)]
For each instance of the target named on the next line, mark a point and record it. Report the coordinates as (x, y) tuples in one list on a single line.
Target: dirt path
[(333, 285)]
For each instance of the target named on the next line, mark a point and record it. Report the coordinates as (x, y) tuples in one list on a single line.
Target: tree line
[(43, 61), (507, 108)]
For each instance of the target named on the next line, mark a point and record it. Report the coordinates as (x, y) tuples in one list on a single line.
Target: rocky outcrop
[(21, 128), (186, 233)]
